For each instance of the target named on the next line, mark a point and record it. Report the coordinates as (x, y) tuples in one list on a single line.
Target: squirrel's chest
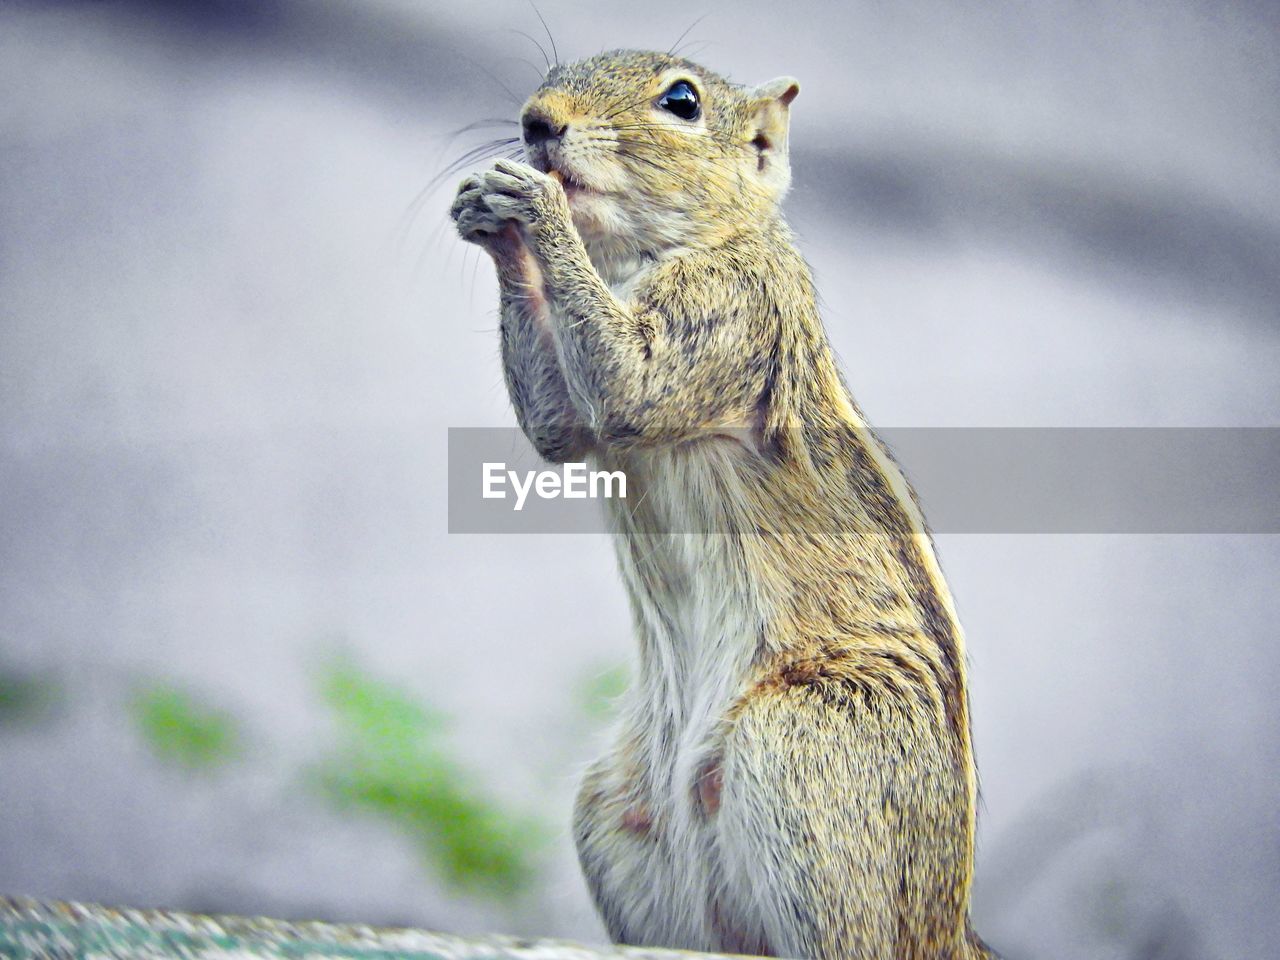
[(698, 598)]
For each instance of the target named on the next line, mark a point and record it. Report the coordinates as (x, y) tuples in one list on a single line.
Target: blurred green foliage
[(598, 692), (183, 730), (27, 698), (391, 761)]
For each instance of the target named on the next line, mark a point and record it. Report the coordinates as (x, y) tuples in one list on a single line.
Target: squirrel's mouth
[(571, 183)]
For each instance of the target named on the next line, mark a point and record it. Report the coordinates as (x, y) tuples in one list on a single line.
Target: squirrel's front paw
[(476, 223), (510, 192)]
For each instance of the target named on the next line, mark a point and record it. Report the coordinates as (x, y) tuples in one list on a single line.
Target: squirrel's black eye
[(682, 100)]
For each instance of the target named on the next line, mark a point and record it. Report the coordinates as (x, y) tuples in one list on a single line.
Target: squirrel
[(793, 775)]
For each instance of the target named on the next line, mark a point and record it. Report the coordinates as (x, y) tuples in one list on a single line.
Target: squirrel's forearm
[(638, 371), (534, 381), (537, 388)]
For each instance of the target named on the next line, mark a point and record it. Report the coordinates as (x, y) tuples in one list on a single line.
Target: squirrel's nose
[(538, 128)]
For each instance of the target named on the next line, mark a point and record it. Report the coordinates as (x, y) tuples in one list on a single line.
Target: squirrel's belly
[(645, 821), (655, 871)]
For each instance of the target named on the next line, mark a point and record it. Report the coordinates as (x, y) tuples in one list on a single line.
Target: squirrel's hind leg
[(834, 824)]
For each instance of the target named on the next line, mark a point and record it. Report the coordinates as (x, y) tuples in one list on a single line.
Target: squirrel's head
[(655, 150)]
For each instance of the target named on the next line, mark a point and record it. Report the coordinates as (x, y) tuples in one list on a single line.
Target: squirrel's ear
[(770, 116)]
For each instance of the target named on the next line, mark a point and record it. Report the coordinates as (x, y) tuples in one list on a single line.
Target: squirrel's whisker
[(687, 31), (541, 49)]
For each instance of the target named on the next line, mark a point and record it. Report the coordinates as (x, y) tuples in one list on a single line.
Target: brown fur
[(794, 772)]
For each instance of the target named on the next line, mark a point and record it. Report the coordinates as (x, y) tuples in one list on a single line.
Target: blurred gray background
[(232, 341)]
